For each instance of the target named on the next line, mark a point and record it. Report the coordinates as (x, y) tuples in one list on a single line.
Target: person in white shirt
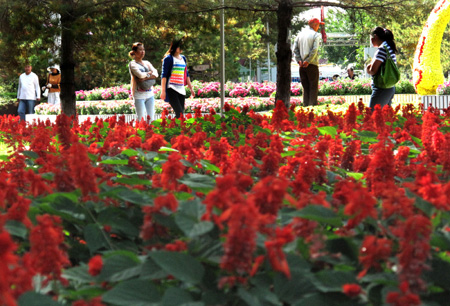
[(306, 51), (143, 76), (28, 92)]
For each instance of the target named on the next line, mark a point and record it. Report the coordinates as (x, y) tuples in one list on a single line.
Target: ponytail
[(385, 35)]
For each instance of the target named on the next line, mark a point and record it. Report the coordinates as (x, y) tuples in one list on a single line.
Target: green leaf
[(332, 281), (79, 274), (114, 161), (329, 299), (16, 228), (328, 130), (130, 152), (439, 273), (125, 170), (367, 136), (182, 266), (119, 268), (188, 219), (30, 154), (345, 246), (209, 167), (248, 297), (318, 213), (288, 153), (190, 227), (176, 296), (133, 196), (150, 271), (357, 176), (95, 238), (35, 299), (72, 196), (201, 182), (133, 292), (417, 140), (133, 181), (166, 149)]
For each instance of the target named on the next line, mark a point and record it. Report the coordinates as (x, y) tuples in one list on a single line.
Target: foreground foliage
[(300, 209)]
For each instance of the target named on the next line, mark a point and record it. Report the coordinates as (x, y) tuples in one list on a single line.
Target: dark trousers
[(381, 96), (176, 100), (309, 77)]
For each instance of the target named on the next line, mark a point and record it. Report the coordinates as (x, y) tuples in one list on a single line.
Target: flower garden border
[(398, 98)]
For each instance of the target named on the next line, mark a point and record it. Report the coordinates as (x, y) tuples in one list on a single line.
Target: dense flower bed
[(443, 89), (340, 209), (205, 105), (251, 89)]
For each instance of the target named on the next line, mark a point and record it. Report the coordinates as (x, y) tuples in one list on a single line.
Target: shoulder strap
[(142, 65), (387, 51)]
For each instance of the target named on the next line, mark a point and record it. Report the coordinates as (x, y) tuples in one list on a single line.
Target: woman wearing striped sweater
[(384, 40), (174, 77)]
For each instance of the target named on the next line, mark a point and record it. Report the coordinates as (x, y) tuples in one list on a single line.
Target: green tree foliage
[(97, 35)]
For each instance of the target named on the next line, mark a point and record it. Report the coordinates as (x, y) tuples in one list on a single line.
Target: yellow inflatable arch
[(427, 74)]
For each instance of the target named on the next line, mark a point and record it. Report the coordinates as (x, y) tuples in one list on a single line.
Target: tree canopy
[(96, 35)]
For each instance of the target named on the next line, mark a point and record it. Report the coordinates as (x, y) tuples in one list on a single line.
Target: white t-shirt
[(28, 87)]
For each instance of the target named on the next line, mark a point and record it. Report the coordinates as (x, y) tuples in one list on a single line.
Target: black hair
[(385, 35), (173, 47)]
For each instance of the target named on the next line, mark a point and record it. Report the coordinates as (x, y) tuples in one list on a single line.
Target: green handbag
[(388, 74)]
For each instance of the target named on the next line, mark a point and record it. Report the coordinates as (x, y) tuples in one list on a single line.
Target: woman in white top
[(143, 76)]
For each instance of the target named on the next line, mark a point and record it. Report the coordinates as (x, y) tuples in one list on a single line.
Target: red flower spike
[(95, 265), (351, 290)]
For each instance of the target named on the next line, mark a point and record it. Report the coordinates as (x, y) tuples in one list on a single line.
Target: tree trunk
[(284, 53), (67, 61)]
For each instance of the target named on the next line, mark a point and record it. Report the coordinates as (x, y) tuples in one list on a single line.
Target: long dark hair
[(134, 48), (385, 35), (174, 46)]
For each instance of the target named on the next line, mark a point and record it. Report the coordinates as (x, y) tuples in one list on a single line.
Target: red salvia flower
[(177, 246), (95, 265), (81, 169), (280, 113), (350, 118), (240, 241), (404, 297), (415, 248), (359, 203), (97, 301), (172, 170), (374, 251), (7, 260), (166, 201), (275, 252), (351, 290), (268, 194), (47, 247), (154, 143), (63, 128)]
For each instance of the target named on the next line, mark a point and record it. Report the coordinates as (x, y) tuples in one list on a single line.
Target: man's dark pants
[(309, 77)]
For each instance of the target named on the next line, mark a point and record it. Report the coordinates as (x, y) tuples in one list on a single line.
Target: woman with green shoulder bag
[(383, 68)]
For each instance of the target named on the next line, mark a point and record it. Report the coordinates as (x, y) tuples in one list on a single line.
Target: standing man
[(28, 92), (306, 51)]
